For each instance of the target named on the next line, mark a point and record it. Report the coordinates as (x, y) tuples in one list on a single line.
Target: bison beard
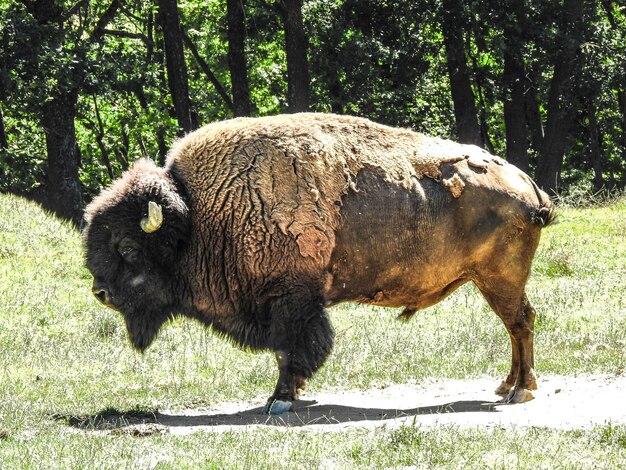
[(254, 226), (143, 327)]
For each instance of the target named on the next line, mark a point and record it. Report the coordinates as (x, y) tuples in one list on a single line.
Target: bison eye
[(128, 250), (129, 254)]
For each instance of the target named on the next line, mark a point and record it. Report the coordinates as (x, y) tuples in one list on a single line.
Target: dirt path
[(561, 402)]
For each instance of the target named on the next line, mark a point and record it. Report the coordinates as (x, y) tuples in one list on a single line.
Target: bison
[(255, 225)]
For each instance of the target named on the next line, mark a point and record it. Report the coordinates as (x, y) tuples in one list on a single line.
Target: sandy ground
[(561, 402)]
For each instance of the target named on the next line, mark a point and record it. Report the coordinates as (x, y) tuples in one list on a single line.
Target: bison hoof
[(276, 407), (518, 395), (504, 389)]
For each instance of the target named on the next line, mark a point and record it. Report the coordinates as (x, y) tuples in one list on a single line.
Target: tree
[(621, 98), (4, 143), (515, 86), (62, 45), (237, 57), (175, 63), (95, 85), (3, 133), (296, 45), (559, 112), (452, 22), (62, 190), (616, 17), (208, 72), (595, 149)]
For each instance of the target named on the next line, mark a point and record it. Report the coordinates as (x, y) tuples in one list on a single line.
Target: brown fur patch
[(313, 243), (455, 185)]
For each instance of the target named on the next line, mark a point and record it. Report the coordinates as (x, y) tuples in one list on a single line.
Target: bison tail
[(546, 214)]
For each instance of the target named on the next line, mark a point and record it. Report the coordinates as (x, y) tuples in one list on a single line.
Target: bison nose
[(102, 295)]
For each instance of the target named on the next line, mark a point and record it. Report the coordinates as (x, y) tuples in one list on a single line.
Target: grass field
[(65, 356)]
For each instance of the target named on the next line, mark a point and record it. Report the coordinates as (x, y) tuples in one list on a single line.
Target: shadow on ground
[(304, 413)]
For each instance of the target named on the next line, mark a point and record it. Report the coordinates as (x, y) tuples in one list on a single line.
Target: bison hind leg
[(518, 317), (504, 388), (518, 395)]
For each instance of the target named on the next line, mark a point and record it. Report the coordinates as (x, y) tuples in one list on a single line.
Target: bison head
[(136, 231)]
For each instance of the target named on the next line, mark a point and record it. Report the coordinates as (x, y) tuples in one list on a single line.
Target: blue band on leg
[(276, 407)]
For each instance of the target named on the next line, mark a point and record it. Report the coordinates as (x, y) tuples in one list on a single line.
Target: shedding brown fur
[(309, 164), (455, 185)]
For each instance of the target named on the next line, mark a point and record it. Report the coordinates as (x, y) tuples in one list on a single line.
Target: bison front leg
[(287, 389), (302, 337)]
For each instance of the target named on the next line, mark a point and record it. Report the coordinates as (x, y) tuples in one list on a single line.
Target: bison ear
[(169, 252), (173, 233)]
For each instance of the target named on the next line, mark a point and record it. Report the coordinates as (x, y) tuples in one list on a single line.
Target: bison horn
[(153, 222)]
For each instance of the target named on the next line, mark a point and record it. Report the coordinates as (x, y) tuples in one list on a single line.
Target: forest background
[(89, 86)]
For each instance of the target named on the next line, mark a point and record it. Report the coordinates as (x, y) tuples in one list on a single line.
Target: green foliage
[(23, 162), (602, 79), (205, 22), (380, 60), (383, 60)]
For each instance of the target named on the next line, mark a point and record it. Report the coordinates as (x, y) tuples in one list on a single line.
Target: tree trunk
[(621, 98), (100, 134), (175, 63), (559, 114), (515, 82), (4, 143), (207, 71), (150, 34), (483, 93), (296, 45), (467, 128), (482, 117), (533, 115), (335, 89), (595, 147), (237, 58), (62, 192), (515, 108)]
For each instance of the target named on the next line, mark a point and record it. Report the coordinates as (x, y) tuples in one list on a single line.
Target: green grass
[(446, 447), (62, 354)]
